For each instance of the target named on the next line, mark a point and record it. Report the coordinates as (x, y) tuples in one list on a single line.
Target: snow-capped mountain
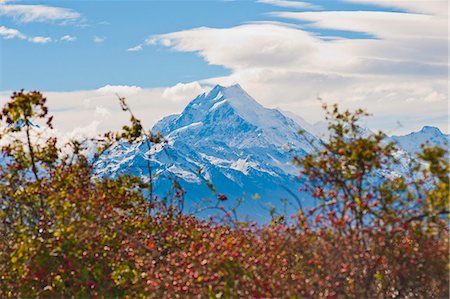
[(225, 137), (427, 135), (410, 143), (240, 146)]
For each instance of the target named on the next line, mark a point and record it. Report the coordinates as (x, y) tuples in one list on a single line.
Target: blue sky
[(84, 64), (285, 53)]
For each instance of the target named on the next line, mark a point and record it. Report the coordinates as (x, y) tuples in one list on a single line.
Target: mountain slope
[(242, 147), (427, 135)]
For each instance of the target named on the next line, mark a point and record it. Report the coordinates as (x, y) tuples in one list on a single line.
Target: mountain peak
[(233, 95), (428, 134), (222, 87), (228, 92), (431, 130), (230, 115), (219, 98)]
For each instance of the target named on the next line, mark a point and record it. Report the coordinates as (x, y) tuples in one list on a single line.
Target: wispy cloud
[(94, 111), (37, 13), (99, 39), (135, 49), (434, 7), (118, 89), (68, 38), (290, 4), (183, 92), (102, 111), (40, 39), (379, 23), (10, 33), (158, 40)]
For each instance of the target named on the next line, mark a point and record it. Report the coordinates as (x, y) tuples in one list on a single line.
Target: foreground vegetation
[(66, 233)]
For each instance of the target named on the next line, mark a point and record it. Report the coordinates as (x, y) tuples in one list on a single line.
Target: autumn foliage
[(66, 233)]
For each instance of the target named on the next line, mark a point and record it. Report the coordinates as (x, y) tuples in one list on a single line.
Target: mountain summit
[(427, 135), (229, 115)]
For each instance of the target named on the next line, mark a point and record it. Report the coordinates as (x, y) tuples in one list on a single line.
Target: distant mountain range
[(226, 137), (428, 135)]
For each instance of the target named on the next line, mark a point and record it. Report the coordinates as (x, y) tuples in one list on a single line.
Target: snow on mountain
[(231, 113), (410, 143), (427, 135), (224, 136), (242, 147)]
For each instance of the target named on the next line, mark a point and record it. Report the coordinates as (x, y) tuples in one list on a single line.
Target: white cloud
[(9, 33), (102, 111), (183, 92), (244, 46), (38, 13), (290, 4), (135, 49), (98, 39), (79, 109), (118, 89), (68, 38), (379, 23), (84, 131), (40, 39), (275, 46), (166, 42), (152, 41), (434, 7)]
